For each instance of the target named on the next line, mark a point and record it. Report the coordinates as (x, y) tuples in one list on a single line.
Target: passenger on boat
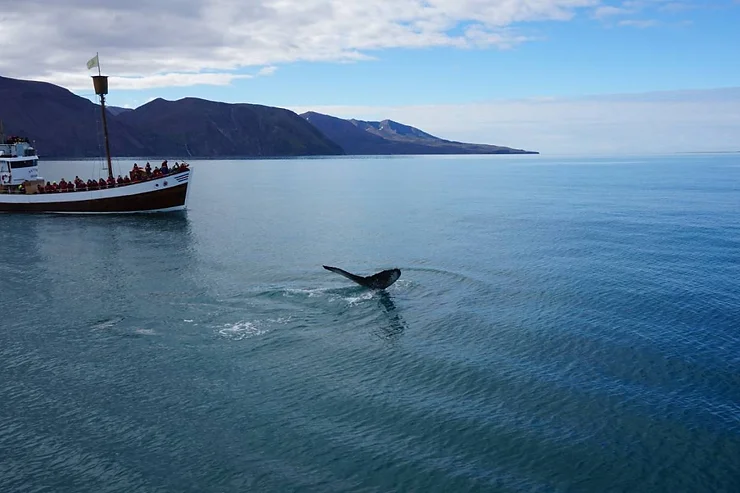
[(137, 173), (148, 169), (126, 180), (165, 168), (92, 184), (101, 183), (119, 180), (111, 182), (134, 172)]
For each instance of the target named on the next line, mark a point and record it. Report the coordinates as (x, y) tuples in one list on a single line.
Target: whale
[(380, 280)]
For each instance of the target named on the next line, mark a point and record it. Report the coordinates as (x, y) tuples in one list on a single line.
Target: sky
[(556, 76)]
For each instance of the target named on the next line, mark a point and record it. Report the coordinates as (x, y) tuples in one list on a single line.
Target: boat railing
[(71, 187)]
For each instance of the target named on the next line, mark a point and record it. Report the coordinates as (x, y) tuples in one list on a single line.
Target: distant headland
[(66, 126)]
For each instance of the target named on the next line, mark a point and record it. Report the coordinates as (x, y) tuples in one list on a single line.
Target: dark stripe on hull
[(147, 201)]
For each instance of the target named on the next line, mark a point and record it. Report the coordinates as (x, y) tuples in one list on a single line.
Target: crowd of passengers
[(136, 175)]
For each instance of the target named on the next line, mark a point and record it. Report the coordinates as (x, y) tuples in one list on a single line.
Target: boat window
[(24, 164), (4, 167)]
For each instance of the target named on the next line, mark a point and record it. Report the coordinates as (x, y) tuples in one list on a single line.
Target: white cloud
[(173, 79), (83, 81), (267, 70), (151, 44), (638, 23), (629, 8), (610, 10), (675, 7), (698, 120)]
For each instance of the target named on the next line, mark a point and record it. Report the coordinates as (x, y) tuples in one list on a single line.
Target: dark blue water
[(561, 325)]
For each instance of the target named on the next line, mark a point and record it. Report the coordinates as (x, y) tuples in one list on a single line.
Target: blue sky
[(676, 48), (416, 60)]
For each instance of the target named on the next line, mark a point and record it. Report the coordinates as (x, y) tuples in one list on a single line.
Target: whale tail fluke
[(348, 275), (381, 280)]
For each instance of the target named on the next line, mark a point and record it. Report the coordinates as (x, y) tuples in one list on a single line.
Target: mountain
[(388, 129), (59, 122), (64, 125), (117, 110), (389, 137), (198, 127)]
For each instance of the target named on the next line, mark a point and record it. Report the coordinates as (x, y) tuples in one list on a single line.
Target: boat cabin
[(19, 162)]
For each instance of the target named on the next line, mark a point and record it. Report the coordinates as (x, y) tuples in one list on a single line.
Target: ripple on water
[(240, 330), (573, 329)]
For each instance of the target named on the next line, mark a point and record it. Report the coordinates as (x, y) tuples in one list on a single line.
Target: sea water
[(560, 325)]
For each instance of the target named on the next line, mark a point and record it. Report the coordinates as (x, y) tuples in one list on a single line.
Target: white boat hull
[(164, 194)]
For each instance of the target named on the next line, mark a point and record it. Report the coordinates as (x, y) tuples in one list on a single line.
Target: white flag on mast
[(93, 62)]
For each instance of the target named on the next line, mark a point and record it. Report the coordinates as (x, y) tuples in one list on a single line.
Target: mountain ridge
[(390, 137), (63, 125)]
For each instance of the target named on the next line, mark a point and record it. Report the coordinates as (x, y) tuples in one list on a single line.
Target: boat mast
[(100, 82)]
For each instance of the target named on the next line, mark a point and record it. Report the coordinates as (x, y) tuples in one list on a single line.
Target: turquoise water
[(561, 325)]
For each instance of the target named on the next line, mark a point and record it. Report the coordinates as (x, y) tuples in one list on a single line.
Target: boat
[(22, 190)]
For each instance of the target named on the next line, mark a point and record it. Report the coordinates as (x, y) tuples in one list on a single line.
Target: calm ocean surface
[(561, 325)]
